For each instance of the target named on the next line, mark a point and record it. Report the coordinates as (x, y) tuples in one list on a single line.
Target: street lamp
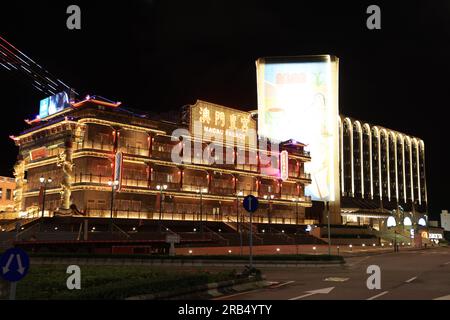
[(44, 183), (113, 185), (392, 224), (201, 191), (269, 213), (296, 200), (239, 227), (160, 188)]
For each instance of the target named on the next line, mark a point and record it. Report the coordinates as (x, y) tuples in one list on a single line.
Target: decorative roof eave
[(89, 101)]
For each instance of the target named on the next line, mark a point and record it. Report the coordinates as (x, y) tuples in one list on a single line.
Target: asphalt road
[(409, 275)]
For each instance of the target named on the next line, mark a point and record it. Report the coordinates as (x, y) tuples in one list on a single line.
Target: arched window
[(392, 167), (384, 163), (401, 186), (347, 159), (357, 159), (415, 166), (408, 168), (375, 164), (423, 196), (367, 161)]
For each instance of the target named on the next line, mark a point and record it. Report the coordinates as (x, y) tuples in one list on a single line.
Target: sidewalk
[(343, 250)]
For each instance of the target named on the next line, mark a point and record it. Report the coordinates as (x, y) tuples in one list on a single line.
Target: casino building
[(68, 158), (382, 174)]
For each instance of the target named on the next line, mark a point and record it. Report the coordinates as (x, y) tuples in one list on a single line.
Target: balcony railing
[(192, 216), (175, 186)]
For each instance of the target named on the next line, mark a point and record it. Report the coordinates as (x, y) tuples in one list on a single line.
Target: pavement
[(405, 275)]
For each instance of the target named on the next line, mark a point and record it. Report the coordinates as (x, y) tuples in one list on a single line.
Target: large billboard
[(298, 99), (53, 104)]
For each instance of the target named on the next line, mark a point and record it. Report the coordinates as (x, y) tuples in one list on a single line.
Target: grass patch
[(48, 282)]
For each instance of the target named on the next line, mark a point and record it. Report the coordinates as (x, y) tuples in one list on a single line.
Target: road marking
[(411, 280), (282, 284), (234, 295), (378, 295), (357, 262), (313, 292), (336, 279), (447, 262), (443, 298)]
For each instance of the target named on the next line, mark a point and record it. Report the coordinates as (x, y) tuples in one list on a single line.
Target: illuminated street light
[(201, 192), (161, 188), (44, 183), (239, 222), (113, 185), (269, 211)]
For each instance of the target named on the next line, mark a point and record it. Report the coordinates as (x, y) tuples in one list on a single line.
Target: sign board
[(38, 153), (53, 104), (172, 238), (284, 165), (118, 168), (298, 99), (14, 264), (230, 124), (435, 235), (250, 203)]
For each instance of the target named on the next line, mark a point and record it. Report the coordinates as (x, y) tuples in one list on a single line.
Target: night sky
[(160, 55)]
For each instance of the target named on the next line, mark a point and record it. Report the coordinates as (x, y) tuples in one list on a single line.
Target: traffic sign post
[(14, 266), (251, 204)]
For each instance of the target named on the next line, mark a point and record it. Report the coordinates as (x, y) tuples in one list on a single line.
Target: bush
[(107, 282)]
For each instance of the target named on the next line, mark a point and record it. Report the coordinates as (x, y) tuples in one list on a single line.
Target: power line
[(14, 60)]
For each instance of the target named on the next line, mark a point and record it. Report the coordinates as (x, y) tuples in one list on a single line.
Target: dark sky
[(159, 55)]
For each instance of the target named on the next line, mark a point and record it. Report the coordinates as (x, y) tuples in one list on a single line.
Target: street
[(423, 274)]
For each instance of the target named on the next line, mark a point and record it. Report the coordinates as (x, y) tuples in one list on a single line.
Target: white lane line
[(443, 298), (378, 295), (411, 280), (235, 295), (282, 284), (336, 279), (313, 292)]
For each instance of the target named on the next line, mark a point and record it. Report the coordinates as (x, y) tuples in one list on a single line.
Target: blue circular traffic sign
[(250, 203), (14, 264)]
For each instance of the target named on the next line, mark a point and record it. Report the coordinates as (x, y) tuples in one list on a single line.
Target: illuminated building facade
[(73, 151), (382, 173), (7, 186)]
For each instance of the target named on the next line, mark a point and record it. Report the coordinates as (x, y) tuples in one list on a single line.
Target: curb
[(210, 290)]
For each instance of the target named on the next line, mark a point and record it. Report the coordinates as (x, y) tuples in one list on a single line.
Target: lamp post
[(113, 185), (269, 213), (201, 191), (327, 208), (391, 224), (296, 200), (160, 188), (239, 227), (44, 183)]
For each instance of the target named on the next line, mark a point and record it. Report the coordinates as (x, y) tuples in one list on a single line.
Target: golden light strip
[(131, 159), (185, 194), (123, 125), (46, 128)]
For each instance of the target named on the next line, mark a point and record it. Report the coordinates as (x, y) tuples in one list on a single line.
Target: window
[(8, 194)]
